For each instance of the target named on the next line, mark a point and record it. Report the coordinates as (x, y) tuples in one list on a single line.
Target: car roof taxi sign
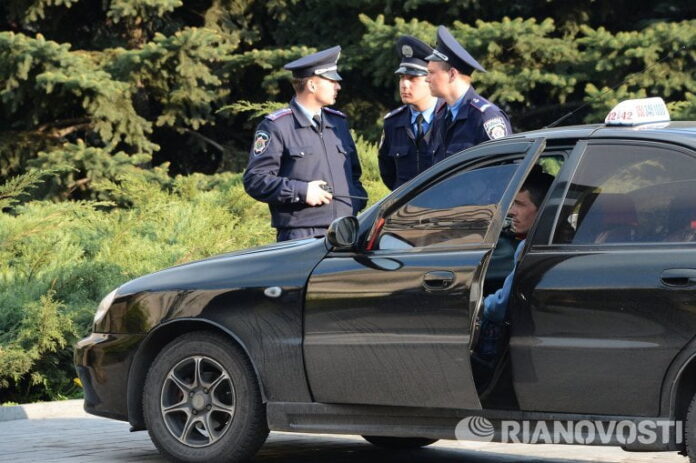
[(638, 111)]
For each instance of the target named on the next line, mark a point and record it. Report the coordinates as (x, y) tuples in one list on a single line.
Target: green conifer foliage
[(50, 93), (125, 125), (656, 61)]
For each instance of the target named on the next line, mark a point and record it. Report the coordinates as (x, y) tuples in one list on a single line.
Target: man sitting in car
[(523, 213)]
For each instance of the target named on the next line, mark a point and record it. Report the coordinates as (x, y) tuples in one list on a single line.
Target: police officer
[(303, 161), (407, 145), (468, 118)]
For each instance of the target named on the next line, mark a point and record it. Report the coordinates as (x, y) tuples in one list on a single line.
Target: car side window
[(456, 210), (642, 193)]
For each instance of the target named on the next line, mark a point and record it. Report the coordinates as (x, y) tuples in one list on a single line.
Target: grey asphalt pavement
[(77, 437)]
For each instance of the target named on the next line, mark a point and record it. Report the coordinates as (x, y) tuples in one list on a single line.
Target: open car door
[(390, 323)]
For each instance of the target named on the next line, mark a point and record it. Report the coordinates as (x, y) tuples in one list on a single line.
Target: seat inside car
[(681, 218), (610, 218)]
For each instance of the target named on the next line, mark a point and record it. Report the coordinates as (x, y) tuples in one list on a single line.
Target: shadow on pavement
[(88, 440), (325, 449)]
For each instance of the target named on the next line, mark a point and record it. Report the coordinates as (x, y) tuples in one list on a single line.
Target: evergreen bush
[(122, 136)]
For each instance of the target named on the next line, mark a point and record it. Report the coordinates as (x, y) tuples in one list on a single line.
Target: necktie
[(448, 119), (317, 120), (419, 127)]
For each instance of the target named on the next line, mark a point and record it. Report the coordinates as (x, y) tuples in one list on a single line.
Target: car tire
[(202, 401), (690, 431), (402, 443)]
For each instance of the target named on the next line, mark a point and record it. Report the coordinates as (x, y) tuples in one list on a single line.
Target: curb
[(44, 410)]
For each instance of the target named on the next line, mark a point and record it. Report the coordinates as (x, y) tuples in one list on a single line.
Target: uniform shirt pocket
[(398, 151), (341, 150), (299, 152)]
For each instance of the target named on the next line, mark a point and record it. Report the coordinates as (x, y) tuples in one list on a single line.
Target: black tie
[(448, 119), (419, 127), (317, 120)]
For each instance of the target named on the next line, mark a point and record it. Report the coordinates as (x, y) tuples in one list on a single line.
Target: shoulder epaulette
[(335, 111), (481, 104), (278, 114), (394, 112)]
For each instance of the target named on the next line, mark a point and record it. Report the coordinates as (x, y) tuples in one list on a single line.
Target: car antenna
[(566, 116)]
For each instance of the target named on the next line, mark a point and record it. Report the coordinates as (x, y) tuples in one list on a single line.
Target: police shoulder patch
[(394, 112), (278, 114), (335, 111), (481, 104), (495, 128), (261, 139)]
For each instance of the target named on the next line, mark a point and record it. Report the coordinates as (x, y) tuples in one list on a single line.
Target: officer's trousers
[(285, 234)]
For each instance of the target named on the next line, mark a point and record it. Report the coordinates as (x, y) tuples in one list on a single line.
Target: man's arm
[(387, 164), (495, 124), (356, 169), (495, 305), (261, 180)]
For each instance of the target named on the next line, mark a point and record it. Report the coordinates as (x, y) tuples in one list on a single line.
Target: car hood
[(280, 264)]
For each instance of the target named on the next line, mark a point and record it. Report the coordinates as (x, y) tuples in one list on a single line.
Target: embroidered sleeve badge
[(261, 139), (495, 128)]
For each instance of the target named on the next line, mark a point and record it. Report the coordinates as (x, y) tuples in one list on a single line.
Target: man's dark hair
[(299, 83), (537, 184), (445, 66)]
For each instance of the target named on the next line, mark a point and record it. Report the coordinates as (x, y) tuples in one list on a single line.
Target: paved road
[(83, 438)]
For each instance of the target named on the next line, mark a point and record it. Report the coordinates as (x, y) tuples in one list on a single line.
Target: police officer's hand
[(316, 196)]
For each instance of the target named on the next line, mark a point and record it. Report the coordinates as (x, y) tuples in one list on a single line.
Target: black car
[(373, 329)]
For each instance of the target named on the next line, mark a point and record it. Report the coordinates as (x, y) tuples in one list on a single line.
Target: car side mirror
[(343, 233)]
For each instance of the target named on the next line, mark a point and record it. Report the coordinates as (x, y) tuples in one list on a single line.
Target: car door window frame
[(436, 210), (490, 151), (541, 233), (559, 196), (488, 242)]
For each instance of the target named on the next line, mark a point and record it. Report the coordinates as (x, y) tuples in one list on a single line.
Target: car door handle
[(439, 280), (679, 277)]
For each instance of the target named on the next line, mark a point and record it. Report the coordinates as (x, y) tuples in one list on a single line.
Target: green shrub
[(58, 259)]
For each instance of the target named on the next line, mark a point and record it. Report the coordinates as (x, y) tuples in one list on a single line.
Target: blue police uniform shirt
[(288, 153), (475, 120), (427, 118), (307, 113), (400, 157), (495, 305), (454, 109)]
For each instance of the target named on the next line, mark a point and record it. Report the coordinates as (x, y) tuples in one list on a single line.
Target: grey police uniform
[(478, 119), (288, 153), (402, 154)]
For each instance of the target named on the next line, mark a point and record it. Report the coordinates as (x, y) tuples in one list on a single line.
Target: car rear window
[(630, 194)]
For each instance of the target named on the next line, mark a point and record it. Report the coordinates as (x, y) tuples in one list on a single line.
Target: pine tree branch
[(209, 141), (75, 185), (60, 129)]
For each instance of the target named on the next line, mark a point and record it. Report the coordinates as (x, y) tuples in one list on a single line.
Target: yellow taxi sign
[(638, 111)]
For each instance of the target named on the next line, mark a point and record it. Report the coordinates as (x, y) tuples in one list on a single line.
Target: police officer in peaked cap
[(303, 161), (408, 142), (467, 119)]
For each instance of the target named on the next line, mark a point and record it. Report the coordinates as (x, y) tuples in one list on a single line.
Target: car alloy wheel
[(202, 401), (197, 401)]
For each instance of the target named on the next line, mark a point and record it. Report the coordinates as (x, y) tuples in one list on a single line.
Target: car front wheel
[(202, 402), (399, 442), (690, 431)]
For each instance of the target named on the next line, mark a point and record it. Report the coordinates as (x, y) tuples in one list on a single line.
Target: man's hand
[(316, 196)]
